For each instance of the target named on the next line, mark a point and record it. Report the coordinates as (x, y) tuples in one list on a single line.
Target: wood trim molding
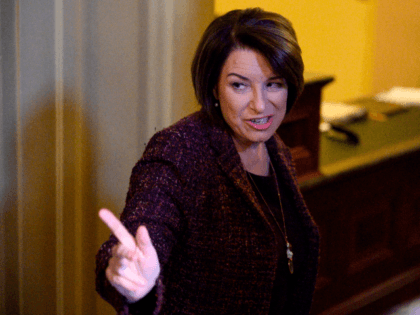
[(376, 293), (160, 65), (2, 192), (59, 154), (19, 158)]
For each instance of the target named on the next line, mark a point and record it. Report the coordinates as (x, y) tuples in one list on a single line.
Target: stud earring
[(216, 104)]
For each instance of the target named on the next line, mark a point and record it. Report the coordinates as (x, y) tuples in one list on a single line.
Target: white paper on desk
[(341, 112), (405, 96)]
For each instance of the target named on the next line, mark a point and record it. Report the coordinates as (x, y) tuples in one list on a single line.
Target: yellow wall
[(397, 44), (335, 37), (367, 45)]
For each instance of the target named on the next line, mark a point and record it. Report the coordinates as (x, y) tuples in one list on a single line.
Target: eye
[(239, 86), (276, 85)]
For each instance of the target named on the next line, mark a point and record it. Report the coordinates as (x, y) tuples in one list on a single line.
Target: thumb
[(143, 239)]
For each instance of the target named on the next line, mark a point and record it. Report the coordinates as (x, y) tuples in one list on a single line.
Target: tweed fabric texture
[(214, 244)]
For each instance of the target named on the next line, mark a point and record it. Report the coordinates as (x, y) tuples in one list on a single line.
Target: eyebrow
[(246, 79)]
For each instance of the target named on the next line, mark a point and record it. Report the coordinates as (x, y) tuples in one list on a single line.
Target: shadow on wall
[(50, 222)]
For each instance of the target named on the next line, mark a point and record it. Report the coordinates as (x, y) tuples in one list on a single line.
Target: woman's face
[(253, 99)]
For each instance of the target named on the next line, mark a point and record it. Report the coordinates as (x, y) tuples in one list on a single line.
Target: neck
[(254, 157)]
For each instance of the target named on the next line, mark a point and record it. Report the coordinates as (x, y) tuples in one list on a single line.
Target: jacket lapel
[(230, 163)]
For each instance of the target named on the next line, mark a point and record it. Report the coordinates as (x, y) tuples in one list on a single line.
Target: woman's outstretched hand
[(134, 265)]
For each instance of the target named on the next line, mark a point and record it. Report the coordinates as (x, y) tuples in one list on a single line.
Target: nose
[(258, 101)]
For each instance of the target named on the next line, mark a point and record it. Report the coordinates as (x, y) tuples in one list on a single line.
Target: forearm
[(154, 207)]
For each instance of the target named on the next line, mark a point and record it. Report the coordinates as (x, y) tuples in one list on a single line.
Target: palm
[(134, 266)]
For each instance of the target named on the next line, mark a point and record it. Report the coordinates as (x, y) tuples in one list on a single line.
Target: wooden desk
[(367, 205), (300, 128)]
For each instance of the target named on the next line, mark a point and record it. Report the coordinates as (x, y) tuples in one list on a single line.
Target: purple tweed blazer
[(216, 249)]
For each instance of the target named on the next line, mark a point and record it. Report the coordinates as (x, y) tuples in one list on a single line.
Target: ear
[(215, 93)]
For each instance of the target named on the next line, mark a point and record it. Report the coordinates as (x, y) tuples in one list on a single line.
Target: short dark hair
[(268, 33)]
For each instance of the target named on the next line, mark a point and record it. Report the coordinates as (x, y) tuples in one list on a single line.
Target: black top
[(284, 280)]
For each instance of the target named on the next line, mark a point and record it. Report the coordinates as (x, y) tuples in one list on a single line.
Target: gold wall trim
[(19, 158), (59, 154), (160, 65), (78, 202)]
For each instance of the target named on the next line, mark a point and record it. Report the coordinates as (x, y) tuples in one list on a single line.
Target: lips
[(261, 123)]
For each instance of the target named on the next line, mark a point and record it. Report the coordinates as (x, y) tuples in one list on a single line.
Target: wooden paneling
[(369, 223)]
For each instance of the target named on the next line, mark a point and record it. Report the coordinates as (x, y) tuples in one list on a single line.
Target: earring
[(216, 104)]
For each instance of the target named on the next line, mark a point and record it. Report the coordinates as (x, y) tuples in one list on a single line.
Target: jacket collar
[(230, 162)]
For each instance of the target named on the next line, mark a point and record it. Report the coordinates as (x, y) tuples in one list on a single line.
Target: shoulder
[(180, 142), (172, 156)]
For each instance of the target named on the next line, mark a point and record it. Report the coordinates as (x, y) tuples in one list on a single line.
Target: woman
[(217, 191)]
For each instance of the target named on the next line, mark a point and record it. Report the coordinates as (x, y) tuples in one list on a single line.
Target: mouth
[(261, 123)]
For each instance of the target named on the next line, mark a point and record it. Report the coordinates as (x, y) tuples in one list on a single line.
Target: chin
[(263, 138)]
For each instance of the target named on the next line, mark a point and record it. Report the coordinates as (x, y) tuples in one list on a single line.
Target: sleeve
[(154, 199)]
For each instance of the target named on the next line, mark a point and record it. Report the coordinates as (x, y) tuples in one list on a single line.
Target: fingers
[(124, 276), (143, 238), (118, 229), (126, 268), (120, 251), (150, 267), (134, 266)]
